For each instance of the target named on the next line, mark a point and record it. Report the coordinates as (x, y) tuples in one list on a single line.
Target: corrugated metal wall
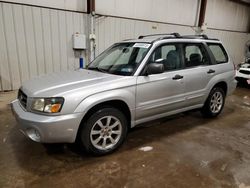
[(227, 15), (221, 17), (74, 5), (35, 41), (172, 11), (111, 29)]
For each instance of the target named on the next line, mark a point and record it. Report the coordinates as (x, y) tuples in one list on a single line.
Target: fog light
[(33, 134)]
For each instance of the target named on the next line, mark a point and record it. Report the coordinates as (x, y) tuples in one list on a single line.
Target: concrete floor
[(186, 151)]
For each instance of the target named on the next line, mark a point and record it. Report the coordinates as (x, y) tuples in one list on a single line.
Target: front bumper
[(50, 129)]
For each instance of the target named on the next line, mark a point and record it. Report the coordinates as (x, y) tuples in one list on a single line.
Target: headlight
[(48, 105)]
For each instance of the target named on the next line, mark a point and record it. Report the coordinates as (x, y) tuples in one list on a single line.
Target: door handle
[(211, 71), (177, 77)]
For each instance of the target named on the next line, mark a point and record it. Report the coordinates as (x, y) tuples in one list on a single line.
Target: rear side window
[(219, 53), (195, 55)]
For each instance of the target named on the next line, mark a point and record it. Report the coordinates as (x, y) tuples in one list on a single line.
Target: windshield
[(121, 58)]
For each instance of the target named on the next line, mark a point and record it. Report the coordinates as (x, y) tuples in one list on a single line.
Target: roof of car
[(174, 36)]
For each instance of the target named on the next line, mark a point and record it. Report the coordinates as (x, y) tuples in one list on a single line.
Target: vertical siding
[(36, 41), (74, 5), (224, 14), (111, 29), (5, 78), (10, 37), (172, 11)]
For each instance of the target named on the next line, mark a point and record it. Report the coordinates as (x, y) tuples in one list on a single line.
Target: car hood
[(57, 84)]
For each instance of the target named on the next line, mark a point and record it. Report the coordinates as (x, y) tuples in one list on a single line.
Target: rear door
[(198, 72)]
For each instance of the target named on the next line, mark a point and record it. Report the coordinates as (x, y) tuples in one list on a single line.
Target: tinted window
[(169, 55), (219, 53), (195, 55)]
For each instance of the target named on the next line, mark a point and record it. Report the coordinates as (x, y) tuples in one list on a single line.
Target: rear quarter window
[(219, 53)]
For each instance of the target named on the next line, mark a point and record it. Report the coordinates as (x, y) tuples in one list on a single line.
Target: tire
[(104, 131), (214, 103)]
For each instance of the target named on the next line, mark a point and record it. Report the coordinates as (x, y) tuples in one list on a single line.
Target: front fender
[(126, 95)]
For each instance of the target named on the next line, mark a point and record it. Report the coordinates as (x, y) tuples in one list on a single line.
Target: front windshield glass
[(121, 58)]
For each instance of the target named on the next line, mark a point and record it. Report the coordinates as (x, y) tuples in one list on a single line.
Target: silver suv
[(130, 83)]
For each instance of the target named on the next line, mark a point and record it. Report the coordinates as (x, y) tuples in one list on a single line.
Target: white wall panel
[(172, 11), (5, 78), (110, 30), (30, 39), (70, 30), (48, 59), (224, 14), (75, 5), (36, 41), (21, 42), (56, 56), (40, 59), (9, 29), (62, 40)]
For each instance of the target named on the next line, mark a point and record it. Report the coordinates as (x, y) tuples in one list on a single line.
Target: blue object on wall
[(81, 63)]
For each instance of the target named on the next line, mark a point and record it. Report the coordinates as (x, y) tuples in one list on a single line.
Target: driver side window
[(169, 55)]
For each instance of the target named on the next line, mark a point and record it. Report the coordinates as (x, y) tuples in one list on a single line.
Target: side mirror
[(155, 68)]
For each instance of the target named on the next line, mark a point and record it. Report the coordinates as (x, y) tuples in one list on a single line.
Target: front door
[(158, 94)]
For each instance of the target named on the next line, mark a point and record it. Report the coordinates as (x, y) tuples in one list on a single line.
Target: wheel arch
[(222, 85), (115, 103)]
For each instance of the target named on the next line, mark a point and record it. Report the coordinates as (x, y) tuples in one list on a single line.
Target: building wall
[(171, 11), (36, 41), (74, 5), (225, 20), (227, 15), (36, 35), (112, 29)]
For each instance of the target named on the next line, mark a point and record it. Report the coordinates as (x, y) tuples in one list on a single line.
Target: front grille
[(244, 72), (22, 98)]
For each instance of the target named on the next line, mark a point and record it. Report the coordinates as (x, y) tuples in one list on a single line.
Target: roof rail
[(195, 36), (177, 35), (198, 36)]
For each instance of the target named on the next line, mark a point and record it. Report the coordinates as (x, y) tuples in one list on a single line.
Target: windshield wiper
[(97, 69)]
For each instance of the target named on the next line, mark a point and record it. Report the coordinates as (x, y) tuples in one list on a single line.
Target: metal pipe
[(202, 13), (91, 32)]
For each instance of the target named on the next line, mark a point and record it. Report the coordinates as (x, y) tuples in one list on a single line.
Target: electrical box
[(79, 41)]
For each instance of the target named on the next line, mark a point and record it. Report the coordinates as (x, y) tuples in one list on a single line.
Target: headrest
[(195, 57), (173, 54)]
